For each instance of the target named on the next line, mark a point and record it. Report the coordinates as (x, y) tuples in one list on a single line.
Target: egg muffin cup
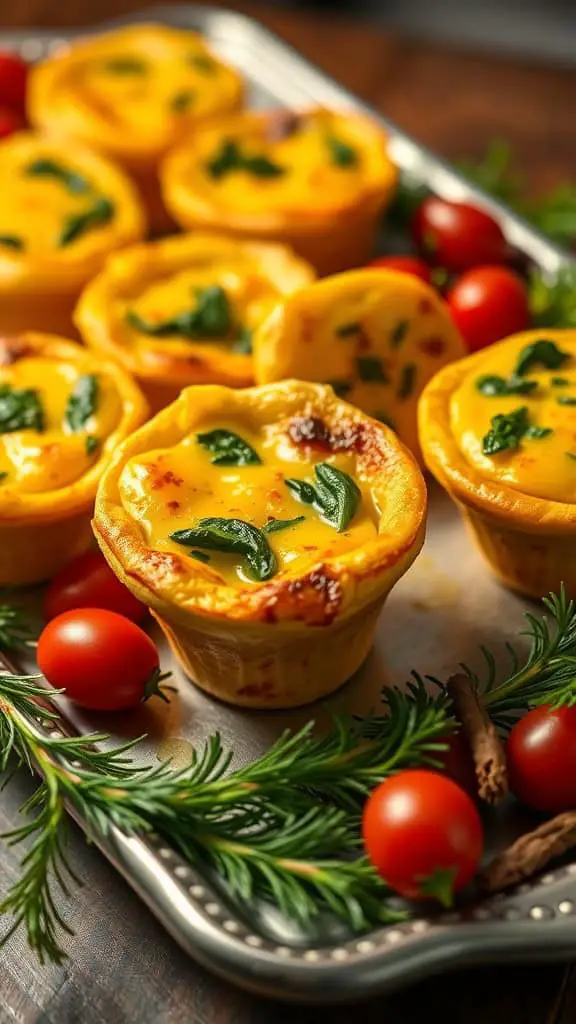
[(42, 529), (250, 276), (527, 540), (299, 635), (317, 181), (62, 211), (130, 93)]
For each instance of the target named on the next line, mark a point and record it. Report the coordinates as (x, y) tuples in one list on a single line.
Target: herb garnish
[(341, 153), (571, 455), (212, 318), (12, 242), (335, 497), (407, 380), (275, 525), (181, 101), (493, 386), (92, 444), (371, 370), (20, 409), (77, 224), (202, 62), (399, 332), (3, 476), (566, 400), (537, 433), (540, 353), (71, 180), (507, 431), (560, 382), (243, 343), (347, 330), (231, 158), (229, 449), (200, 556), (82, 402), (125, 66), (232, 536)]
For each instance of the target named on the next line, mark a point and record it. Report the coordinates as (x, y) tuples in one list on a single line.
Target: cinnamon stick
[(530, 853), (481, 736)]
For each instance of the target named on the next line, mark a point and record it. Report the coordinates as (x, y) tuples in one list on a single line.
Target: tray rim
[(519, 926)]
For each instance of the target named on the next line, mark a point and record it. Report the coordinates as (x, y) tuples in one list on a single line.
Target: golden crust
[(334, 589)]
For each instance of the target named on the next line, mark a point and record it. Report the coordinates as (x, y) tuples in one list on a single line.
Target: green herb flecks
[(3, 476), (538, 433), (341, 153), (507, 431), (371, 370), (200, 556), (231, 158), (335, 497), (228, 449), (182, 101), (212, 318), (82, 402), (571, 455), (243, 343), (12, 242), (398, 333), (232, 536), (77, 224), (20, 409), (560, 382), (553, 302), (275, 525), (347, 330), (407, 381), (494, 386), (202, 62), (92, 444), (72, 181), (566, 400), (125, 66), (341, 388), (540, 353)]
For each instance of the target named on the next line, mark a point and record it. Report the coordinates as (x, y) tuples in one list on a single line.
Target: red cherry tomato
[(458, 765), (406, 264), (489, 303), (541, 752), (88, 582), (102, 660), (423, 834), (10, 122), (457, 236), (13, 80)]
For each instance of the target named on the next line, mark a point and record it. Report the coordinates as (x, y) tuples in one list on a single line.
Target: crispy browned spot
[(165, 479), (310, 430)]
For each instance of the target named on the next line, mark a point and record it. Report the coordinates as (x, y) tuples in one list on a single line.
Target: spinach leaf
[(125, 66), (335, 497), (228, 448), (181, 101), (399, 333), (348, 330), (12, 242), (77, 224), (82, 402), (20, 409), (230, 157), (71, 180), (507, 431), (212, 318), (243, 343), (275, 525), (232, 536), (492, 386), (407, 381), (341, 153), (566, 400), (371, 370), (540, 353)]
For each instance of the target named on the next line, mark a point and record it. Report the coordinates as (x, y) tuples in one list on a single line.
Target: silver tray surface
[(436, 617)]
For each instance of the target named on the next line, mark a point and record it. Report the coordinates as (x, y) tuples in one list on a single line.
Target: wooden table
[(122, 967)]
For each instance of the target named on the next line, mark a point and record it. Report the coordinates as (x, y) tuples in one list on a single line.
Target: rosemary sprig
[(16, 632)]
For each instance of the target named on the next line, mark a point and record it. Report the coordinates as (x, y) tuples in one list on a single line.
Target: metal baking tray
[(436, 617)]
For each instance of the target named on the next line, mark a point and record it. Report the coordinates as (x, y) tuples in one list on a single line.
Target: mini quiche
[(377, 336), (182, 311), (62, 414), (62, 211), (264, 528), (318, 181), (130, 94), (498, 430)]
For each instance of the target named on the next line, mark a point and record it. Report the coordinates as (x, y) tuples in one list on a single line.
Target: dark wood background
[(122, 967)]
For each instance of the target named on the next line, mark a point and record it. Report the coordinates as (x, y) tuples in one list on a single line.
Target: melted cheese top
[(327, 161), (39, 461), (544, 467), (171, 489), (143, 84)]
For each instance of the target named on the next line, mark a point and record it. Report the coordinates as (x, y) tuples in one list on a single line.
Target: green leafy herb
[(399, 333), (537, 433), (274, 525), (335, 497), (341, 388), (407, 381), (571, 455), (243, 343), (125, 66), (228, 448), (212, 318), (566, 400), (341, 153), (182, 101), (82, 402), (12, 242), (439, 885), (202, 62), (92, 444), (230, 158), (77, 224), (540, 353), (493, 386), (560, 382), (507, 431), (16, 632), (371, 370), (232, 536), (200, 556), (3, 476), (347, 330), (492, 173), (20, 409), (553, 302), (71, 180)]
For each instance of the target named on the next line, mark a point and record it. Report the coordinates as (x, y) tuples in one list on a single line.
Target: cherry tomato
[(102, 660), (13, 80), (423, 834), (88, 582), (406, 264), (541, 752), (458, 765), (457, 236), (10, 122), (489, 303)]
